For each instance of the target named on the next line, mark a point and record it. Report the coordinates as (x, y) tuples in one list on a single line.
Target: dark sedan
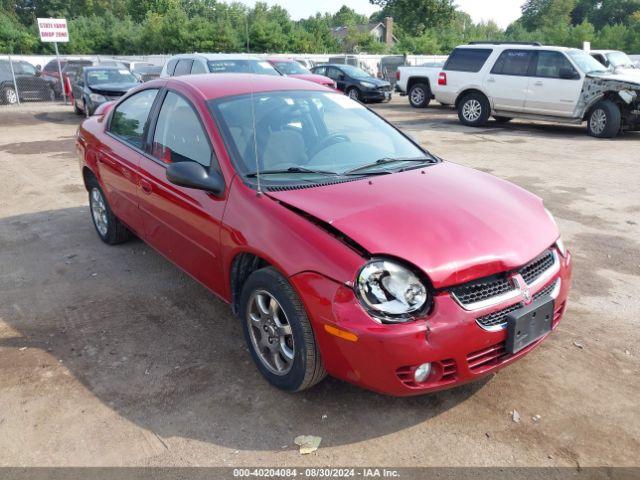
[(356, 83), (97, 85), (28, 85)]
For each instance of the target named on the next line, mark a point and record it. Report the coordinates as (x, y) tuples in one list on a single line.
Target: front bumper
[(375, 95), (384, 357)]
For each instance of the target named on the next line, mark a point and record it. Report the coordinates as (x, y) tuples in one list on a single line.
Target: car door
[(508, 80), (183, 67), (120, 153), (555, 85), (181, 223), (337, 76)]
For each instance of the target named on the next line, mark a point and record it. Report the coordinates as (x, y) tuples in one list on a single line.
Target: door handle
[(539, 83), (146, 186), (106, 159)]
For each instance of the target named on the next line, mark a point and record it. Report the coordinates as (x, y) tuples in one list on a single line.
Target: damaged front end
[(623, 90)]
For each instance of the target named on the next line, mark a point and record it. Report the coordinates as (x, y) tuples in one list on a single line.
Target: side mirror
[(568, 74), (193, 175)]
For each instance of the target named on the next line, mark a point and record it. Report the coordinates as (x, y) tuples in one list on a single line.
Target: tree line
[(420, 26)]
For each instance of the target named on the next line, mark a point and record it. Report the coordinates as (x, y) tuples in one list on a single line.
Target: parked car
[(540, 83), (29, 85), (69, 68), (356, 83), (343, 246), (196, 63), (145, 74), (96, 85), (617, 61), (419, 83), (306, 63), (291, 68)]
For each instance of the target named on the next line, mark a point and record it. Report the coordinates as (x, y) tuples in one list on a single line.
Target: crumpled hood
[(109, 88), (453, 222), (626, 77)]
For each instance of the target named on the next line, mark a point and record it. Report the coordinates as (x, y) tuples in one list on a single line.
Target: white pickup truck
[(418, 83)]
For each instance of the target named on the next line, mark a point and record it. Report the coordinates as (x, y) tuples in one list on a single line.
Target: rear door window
[(131, 116), (171, 66), (513, 62), (183, 67), (467, 59)]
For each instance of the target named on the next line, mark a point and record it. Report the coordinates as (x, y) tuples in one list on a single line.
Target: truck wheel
[(605, 120), (474, 110), (278, 332), (9, 96), (419, 95)]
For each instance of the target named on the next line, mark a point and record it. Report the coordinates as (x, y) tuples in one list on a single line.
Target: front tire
[(474, 110), (419, 95), (604, 120), (76, 108), (110, 230), (354, 94), (278, 332)]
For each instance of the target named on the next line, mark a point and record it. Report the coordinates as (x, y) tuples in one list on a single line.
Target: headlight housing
[(95, 97), (390, 291), (367, 85), (559, 243)]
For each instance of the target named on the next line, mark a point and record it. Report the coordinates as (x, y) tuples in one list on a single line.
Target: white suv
[(509, 80), (195, 63)]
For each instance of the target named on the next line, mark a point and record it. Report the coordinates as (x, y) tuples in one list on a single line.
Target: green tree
[(414, 16)]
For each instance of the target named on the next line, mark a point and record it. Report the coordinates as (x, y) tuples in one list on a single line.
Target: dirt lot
[(112, 356)]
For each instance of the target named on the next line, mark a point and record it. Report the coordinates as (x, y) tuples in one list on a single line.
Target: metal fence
[(36, 78)]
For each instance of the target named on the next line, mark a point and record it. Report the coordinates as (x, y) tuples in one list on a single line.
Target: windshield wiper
[(290, 170), (385, 161)]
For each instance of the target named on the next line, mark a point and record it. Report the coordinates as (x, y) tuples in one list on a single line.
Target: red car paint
[(453, 223), (310, 77)]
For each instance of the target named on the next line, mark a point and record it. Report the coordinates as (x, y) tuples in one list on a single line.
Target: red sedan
[(291, 68), (341, 244)]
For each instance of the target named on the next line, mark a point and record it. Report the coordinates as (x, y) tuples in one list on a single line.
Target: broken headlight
[(390, 291)]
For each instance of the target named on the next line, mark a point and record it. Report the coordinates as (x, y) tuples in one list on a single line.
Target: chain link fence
[(22, 82)]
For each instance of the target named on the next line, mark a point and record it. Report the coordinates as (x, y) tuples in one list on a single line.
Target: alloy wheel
[(99, 212), (270, 332), (11, 96), (417, 96), (598, 121), (471, 110), (353, 94)]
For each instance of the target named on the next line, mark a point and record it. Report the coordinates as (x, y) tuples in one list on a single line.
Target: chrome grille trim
[(496, 321), (543, 278)]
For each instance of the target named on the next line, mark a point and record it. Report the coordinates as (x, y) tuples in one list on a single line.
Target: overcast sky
[(502, 11)]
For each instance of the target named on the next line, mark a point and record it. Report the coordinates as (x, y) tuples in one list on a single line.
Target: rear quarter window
[(467, 59)]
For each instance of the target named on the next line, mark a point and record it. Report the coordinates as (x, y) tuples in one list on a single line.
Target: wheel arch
[(243, 264), (413, 80), (466, 92)]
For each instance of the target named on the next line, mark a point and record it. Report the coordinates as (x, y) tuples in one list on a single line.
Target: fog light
[(422, 372)]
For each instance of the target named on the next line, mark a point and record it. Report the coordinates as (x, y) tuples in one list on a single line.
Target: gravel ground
[(112, 356)]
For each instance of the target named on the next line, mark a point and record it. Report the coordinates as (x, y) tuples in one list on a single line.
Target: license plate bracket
[(528, 324)]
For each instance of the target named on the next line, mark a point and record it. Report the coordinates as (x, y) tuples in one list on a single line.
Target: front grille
[(499, 318), (470, 294), (482, 289), (487, 357), (533, 270), (546, 290)]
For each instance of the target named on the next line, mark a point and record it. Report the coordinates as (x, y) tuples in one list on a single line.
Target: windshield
[(290, 68), (110, 75), (355, 72), (241, 66), (586, 62), (311, 134), (620, 59)]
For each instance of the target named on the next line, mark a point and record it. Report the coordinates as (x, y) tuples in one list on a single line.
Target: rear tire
[(9, 96), (604, 120), (419, 95), (76, 108), (108, 227), (474, 110), (292, 361)]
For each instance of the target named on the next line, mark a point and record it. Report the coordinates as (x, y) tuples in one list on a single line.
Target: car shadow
[(162, 351)]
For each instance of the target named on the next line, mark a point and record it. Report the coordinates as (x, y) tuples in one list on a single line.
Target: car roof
[(519, 46), (219, 85), (606, 51), (102, 67), (216, 56)]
